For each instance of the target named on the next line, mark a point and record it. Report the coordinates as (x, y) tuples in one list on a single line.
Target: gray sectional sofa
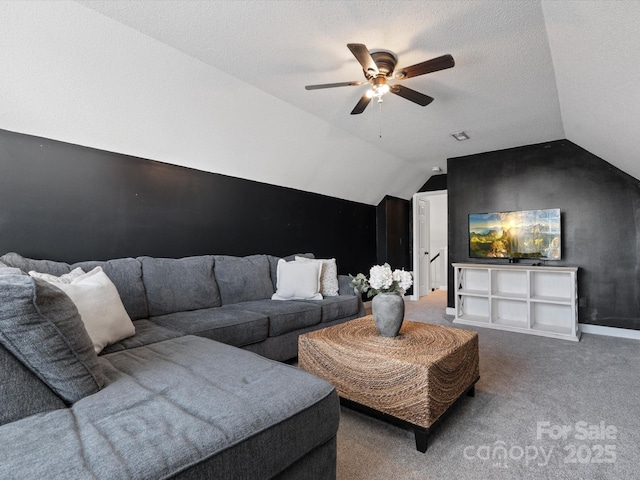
[(186, 396)]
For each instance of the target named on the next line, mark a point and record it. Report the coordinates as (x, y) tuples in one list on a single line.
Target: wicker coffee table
[(411, 379)]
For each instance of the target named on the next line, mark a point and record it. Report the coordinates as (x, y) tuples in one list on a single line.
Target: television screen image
[(523, 234)]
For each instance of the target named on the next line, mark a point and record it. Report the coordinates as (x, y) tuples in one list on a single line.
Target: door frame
[(416, 239)]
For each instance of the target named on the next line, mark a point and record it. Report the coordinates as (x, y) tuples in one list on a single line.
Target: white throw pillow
[(298, 281), (100, 307), (329, 285)]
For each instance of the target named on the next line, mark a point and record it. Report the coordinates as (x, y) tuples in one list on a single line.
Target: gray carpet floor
[(544, 409)]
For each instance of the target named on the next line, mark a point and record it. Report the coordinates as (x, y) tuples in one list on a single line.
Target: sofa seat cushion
[(284, 315), (224, 324), (172, 405), (147, 333), (334, 308)]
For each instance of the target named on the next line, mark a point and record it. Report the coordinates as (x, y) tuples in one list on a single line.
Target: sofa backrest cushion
[(126, 275), (243, 279), (21, 392), (4, 270), (41, 327), (179, 285), (16, 260), (273, 265)]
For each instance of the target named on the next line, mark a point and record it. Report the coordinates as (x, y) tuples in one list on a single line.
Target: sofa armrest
[(345, 287)]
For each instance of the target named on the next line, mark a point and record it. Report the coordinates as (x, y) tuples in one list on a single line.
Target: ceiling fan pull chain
[(380, 119)]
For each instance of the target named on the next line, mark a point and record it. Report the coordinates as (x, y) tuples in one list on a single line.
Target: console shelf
[(518, 298)]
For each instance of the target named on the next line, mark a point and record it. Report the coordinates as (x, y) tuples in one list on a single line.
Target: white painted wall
[(72, 74)]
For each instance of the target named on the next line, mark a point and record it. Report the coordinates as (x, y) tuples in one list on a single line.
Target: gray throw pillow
[(179, 285), (41, 327), (243, 279)]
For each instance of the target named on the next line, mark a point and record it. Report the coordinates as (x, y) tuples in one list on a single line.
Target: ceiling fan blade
[(361, 52), (362, 104), (412, 95), (331, 85), (433, 65)]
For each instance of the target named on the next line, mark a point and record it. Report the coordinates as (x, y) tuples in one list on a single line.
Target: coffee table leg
[(422, 436)]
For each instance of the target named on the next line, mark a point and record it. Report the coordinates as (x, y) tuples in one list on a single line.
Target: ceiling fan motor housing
[(386, 62)]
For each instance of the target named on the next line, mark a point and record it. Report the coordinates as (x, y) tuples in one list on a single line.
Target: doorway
[(430, 254)]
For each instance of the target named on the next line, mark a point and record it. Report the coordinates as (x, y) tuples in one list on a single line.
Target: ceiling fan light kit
[(378, 66), (379, 87)]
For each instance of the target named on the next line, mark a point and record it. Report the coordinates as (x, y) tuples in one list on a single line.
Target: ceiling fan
[(379, 66)]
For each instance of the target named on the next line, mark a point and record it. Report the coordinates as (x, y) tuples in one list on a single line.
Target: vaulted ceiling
[(525, 72)]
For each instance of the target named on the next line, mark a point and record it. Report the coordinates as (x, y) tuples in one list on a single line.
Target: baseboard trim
[(593, 329), (610, 331)]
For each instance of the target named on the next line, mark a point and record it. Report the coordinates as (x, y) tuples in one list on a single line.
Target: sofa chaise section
[(177, 399), (182, 408)]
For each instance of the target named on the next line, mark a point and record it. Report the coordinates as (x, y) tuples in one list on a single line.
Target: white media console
[(518, 298)]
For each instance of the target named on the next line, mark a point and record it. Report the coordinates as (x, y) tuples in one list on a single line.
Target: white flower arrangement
[(382, 280)]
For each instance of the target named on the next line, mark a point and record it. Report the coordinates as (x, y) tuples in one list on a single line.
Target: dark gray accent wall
[(600, 211), (70, 203), (393, 232), (435, 183)]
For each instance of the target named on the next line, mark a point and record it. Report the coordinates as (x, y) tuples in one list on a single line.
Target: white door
[(429, 239), (423, 250)]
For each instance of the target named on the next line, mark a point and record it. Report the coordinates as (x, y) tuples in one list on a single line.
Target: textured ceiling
[(503, 90)]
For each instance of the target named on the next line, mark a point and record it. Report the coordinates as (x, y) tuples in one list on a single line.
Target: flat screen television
[(514, 235)]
